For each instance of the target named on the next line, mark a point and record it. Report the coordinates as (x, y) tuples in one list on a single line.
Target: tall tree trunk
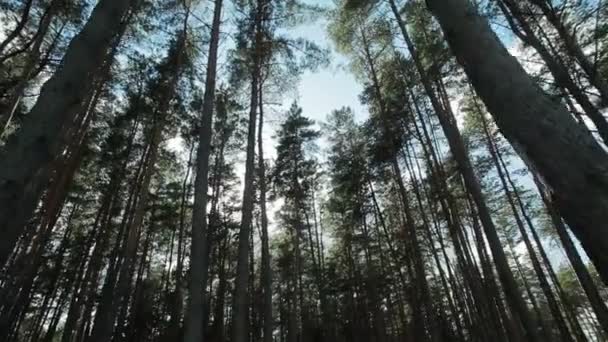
[(542, 131), (117, 291), (420, 275), (542, 277), (25, 161), (483, 299), (199, 255), (240, 307), (569, 309), (114, 296), (266, 280)]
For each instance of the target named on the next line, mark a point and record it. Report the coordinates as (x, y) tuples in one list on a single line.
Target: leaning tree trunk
[(200, 246), (555, 65), (458, 149), (543, 131), (26, 159)]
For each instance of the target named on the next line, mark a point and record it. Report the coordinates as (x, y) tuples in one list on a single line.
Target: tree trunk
[(266, 280), (199, 257), (240, 307), (542, 277), (25, 161), (597, 303), (573, 48), (542, 131), (556, 66)]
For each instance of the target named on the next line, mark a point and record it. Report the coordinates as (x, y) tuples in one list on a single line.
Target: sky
[(328, 88)]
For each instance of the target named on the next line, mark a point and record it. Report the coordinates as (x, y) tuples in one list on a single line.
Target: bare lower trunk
[(266, 263), (240, 311), (199, 257)]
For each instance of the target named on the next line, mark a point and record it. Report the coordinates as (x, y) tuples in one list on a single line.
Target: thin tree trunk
[(240, 307), (584, 277), (544, 284), (458, 149), (199, 257), (266, 280)]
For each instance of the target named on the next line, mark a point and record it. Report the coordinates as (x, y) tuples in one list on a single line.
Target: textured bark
[(542, 131), (240, 311), (266, 280), (555, 65), (199, 257), (26, 159)]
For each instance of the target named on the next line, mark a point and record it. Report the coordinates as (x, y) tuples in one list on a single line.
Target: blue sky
[(328, 88)]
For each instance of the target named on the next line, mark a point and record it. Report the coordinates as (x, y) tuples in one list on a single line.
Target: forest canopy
[(163, 178)]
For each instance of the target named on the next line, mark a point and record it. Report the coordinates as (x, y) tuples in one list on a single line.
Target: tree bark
[(199, 257), (240, 311), (542, 131), (26, 159), (266, 280), (555, 65)]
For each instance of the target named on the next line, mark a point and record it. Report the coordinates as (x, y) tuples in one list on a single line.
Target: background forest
[(160, 179)]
